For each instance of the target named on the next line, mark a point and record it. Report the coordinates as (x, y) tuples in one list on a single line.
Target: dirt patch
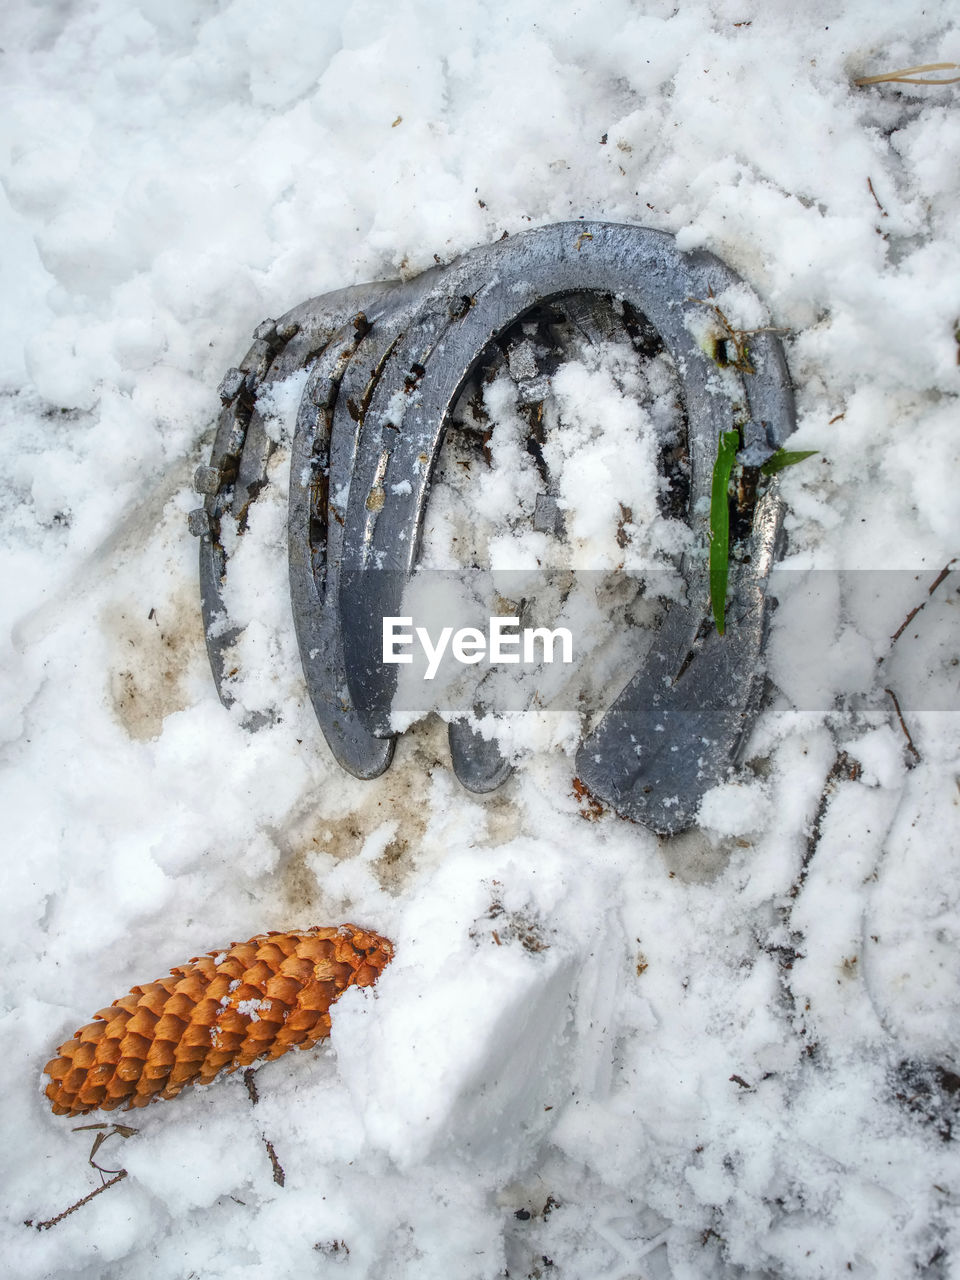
[(153, 649), (400, 796)]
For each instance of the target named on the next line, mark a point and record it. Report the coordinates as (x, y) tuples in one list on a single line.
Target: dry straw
[(909, 75)]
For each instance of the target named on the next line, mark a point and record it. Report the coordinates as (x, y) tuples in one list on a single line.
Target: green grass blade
[(720, 525), (783, 458)]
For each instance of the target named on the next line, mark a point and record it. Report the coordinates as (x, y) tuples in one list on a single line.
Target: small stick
[(906, 731), (906, 622), (278, 1174), (254, 1095), (875, 197), (52, 1222), (940, 576), (922, 605), (905, 74), (843, 767), (250, 1082)]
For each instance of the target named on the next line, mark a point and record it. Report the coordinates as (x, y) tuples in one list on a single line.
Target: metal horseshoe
[(387, 365)]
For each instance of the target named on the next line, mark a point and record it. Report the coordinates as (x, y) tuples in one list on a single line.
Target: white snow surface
[(596, 1054)]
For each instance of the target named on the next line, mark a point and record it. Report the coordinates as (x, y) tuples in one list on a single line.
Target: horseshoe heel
[(682, 721)]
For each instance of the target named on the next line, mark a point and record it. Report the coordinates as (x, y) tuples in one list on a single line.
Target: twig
[(883, 211), (250, 1082), (843, 767), (788, 952), (906, 731), (124, 1130), (923, 603), (905, 75), (105, 1131), (278, 1175), (940, 576), (52, 1222)]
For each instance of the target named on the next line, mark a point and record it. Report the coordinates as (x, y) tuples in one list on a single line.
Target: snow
[(729, 1054)]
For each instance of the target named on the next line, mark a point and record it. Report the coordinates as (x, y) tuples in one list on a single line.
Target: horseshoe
[(388, 363), (697, 691)]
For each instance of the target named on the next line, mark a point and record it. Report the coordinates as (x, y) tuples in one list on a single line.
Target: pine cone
[(221, 1011)]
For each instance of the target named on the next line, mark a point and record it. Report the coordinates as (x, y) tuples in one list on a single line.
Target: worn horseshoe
[(697, 690), (387, 364)]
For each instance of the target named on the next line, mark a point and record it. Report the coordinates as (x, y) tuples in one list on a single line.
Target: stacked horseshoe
[(387, 363)]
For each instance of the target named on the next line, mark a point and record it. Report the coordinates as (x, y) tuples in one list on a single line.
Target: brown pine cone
[(221, 1011)]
